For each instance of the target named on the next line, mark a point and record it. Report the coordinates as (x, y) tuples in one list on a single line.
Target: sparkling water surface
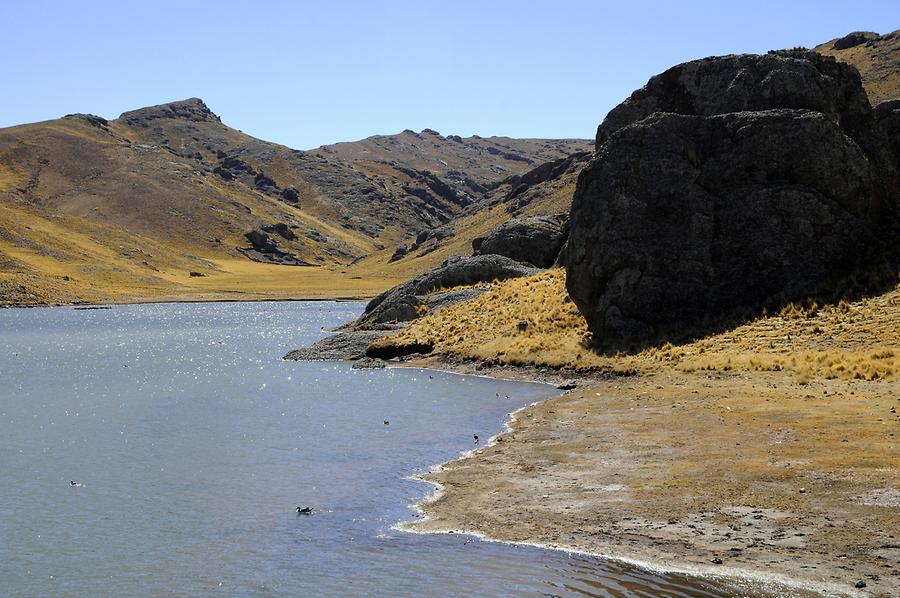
[(191, 443)]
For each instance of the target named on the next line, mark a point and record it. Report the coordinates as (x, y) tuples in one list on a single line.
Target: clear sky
[(309, 73)]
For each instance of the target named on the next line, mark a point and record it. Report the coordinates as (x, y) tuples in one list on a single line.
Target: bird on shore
[(304, 510), (475, 436)]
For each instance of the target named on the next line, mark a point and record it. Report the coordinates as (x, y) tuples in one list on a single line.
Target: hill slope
[(97, 210), (876, 57)]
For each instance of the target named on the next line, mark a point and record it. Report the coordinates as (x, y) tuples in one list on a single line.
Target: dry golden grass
[(531, 321), (876, 64)]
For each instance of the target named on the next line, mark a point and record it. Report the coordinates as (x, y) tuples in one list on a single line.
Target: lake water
[(192, 443)]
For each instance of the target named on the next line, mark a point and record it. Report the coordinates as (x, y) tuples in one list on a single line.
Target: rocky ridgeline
[(192, 110), (729, 183)]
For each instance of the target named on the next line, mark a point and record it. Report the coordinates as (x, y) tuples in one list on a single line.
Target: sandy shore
[(754, 476)]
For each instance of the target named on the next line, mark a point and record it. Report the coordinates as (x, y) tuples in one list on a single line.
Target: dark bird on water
[(73, 483), (304, 510), (387, 423), (475, 436)]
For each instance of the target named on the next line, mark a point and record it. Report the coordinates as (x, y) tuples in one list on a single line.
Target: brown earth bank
[(736, 475), (766, 451)]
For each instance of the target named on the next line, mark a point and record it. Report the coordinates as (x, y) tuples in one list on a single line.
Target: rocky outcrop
[(193, 110), (405, 301), (264, 248), (854, 39), (721, 85), (535, 240), (543, 173), (399, 253), (91, 119), (724, 184), (290, 195), (281, 229), (341, 346)]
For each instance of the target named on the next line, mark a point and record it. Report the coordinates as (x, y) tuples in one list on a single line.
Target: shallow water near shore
[(191, 443)]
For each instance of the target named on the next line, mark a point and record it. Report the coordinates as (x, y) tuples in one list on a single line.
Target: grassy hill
[(126, 210), (876, 57)]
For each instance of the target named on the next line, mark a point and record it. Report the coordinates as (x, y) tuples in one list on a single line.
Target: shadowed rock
[(342, 346), (535, 240), (723, 184), (888, 115)]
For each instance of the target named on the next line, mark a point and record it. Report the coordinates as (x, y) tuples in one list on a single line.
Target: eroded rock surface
[(535, 240), (723, 184), (404, 302)]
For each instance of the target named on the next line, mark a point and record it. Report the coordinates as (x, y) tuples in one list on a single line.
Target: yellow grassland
[(532, 321)]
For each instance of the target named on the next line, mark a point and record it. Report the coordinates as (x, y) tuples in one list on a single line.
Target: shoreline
[(722, 575), (452, 480), (164, 301)]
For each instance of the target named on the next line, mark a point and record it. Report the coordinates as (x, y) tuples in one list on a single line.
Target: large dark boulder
[(534, 240), (801, 80), (261, 241), (406, 301), (737, 83), (726, 184)]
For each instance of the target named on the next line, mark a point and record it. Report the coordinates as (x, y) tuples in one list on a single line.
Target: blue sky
[(308, 73)]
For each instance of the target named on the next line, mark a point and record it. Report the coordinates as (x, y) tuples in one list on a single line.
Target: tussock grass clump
[(532, 321), (523, 321)]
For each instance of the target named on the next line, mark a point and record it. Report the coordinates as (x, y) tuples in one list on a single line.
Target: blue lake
[(191, 443)]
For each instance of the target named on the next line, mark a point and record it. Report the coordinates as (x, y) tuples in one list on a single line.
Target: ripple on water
[(193, 442)]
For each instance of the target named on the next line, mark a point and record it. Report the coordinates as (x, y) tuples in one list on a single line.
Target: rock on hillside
[(726, 183), (404, 302), (535, 240), (711, 86)]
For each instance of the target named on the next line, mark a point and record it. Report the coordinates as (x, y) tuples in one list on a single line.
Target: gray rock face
[(686, 215), (535, 240), (446, 299), (724, 84), (342, 346), (888, 115), (720, 85), (403, 302), (192, 109)]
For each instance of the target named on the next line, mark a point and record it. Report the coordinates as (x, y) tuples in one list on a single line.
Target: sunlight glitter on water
[(191, 443)]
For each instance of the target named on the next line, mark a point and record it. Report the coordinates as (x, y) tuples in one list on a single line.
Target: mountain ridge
[(175, 178)]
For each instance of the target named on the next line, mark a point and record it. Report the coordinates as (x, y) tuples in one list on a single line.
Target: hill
[(876, 57), (128, 209)]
